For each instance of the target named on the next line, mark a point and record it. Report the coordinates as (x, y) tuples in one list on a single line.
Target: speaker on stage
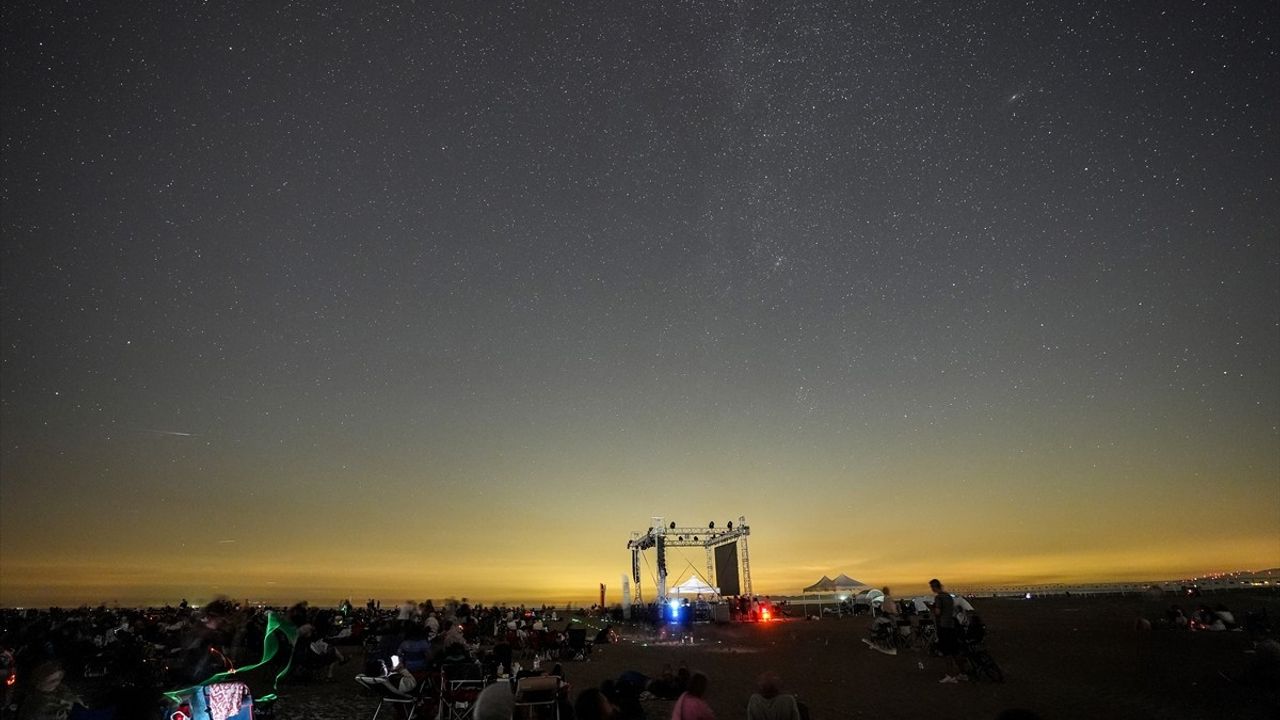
[(727, 569)]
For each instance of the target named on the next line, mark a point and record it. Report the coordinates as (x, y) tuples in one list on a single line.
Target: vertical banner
[(662, 569), (626, 598)]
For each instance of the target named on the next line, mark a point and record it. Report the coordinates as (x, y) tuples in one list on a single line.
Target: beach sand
[(1067, 657)]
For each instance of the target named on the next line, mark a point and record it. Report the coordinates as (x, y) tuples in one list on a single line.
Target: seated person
[(313, 652), (495, 702), (1226, 616), (606, 636), (692, 705), (415, 650), (624, 694), (668, 685), (768, 703), (454, 654), (592, 704), (49, 697)]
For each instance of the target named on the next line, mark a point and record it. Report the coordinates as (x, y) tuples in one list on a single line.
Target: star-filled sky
[(316, 300)]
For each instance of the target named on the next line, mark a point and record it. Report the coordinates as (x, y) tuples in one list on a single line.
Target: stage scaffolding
[(662, 535)]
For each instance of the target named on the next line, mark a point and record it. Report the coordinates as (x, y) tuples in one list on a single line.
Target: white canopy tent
[(846, 584), (694, 586), (825, 585), (831, 591), (841, 585)]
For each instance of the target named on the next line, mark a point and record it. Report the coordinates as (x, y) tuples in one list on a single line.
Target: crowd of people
[(57, 662), (1216, 619), (495, 641), (624, 699), (127, 659)]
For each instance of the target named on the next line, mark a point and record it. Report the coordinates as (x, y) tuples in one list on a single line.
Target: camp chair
[(502, 656), (460, 685), (205, 697), (538, 690), (389, 694), (578, 645)]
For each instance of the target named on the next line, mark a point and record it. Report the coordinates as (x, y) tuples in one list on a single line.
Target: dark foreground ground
[(1065, 658)]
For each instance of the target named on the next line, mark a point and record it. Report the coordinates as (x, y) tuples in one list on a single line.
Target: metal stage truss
[(661, 536)]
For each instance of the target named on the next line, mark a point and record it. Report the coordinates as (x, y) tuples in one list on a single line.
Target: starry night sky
[(428, 299)]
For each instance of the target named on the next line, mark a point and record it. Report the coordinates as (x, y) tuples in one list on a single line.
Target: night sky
[(316, 300)]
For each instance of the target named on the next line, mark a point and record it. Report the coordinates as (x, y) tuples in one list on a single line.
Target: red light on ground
[(11, 680), (765, 615)]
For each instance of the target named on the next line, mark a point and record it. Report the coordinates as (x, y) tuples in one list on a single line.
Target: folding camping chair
[(460, 685), (578, 645), (204, 698), (535, 691), (389, 694)]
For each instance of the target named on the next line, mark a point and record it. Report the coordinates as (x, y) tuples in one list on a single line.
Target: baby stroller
[(978, 663)]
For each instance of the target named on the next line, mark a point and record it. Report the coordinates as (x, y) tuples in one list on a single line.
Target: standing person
[(944, 618), (404, 613), (691, 705)]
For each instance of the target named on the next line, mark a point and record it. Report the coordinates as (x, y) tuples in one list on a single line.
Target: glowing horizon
[(37, 585)]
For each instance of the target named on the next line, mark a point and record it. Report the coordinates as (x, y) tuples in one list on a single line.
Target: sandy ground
[(1068, 658)]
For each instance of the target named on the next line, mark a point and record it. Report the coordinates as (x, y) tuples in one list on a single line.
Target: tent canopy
[(694, 586), (826, 584), (842, 582)]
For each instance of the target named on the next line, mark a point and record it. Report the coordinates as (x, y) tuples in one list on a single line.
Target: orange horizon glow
[(27, 584)]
